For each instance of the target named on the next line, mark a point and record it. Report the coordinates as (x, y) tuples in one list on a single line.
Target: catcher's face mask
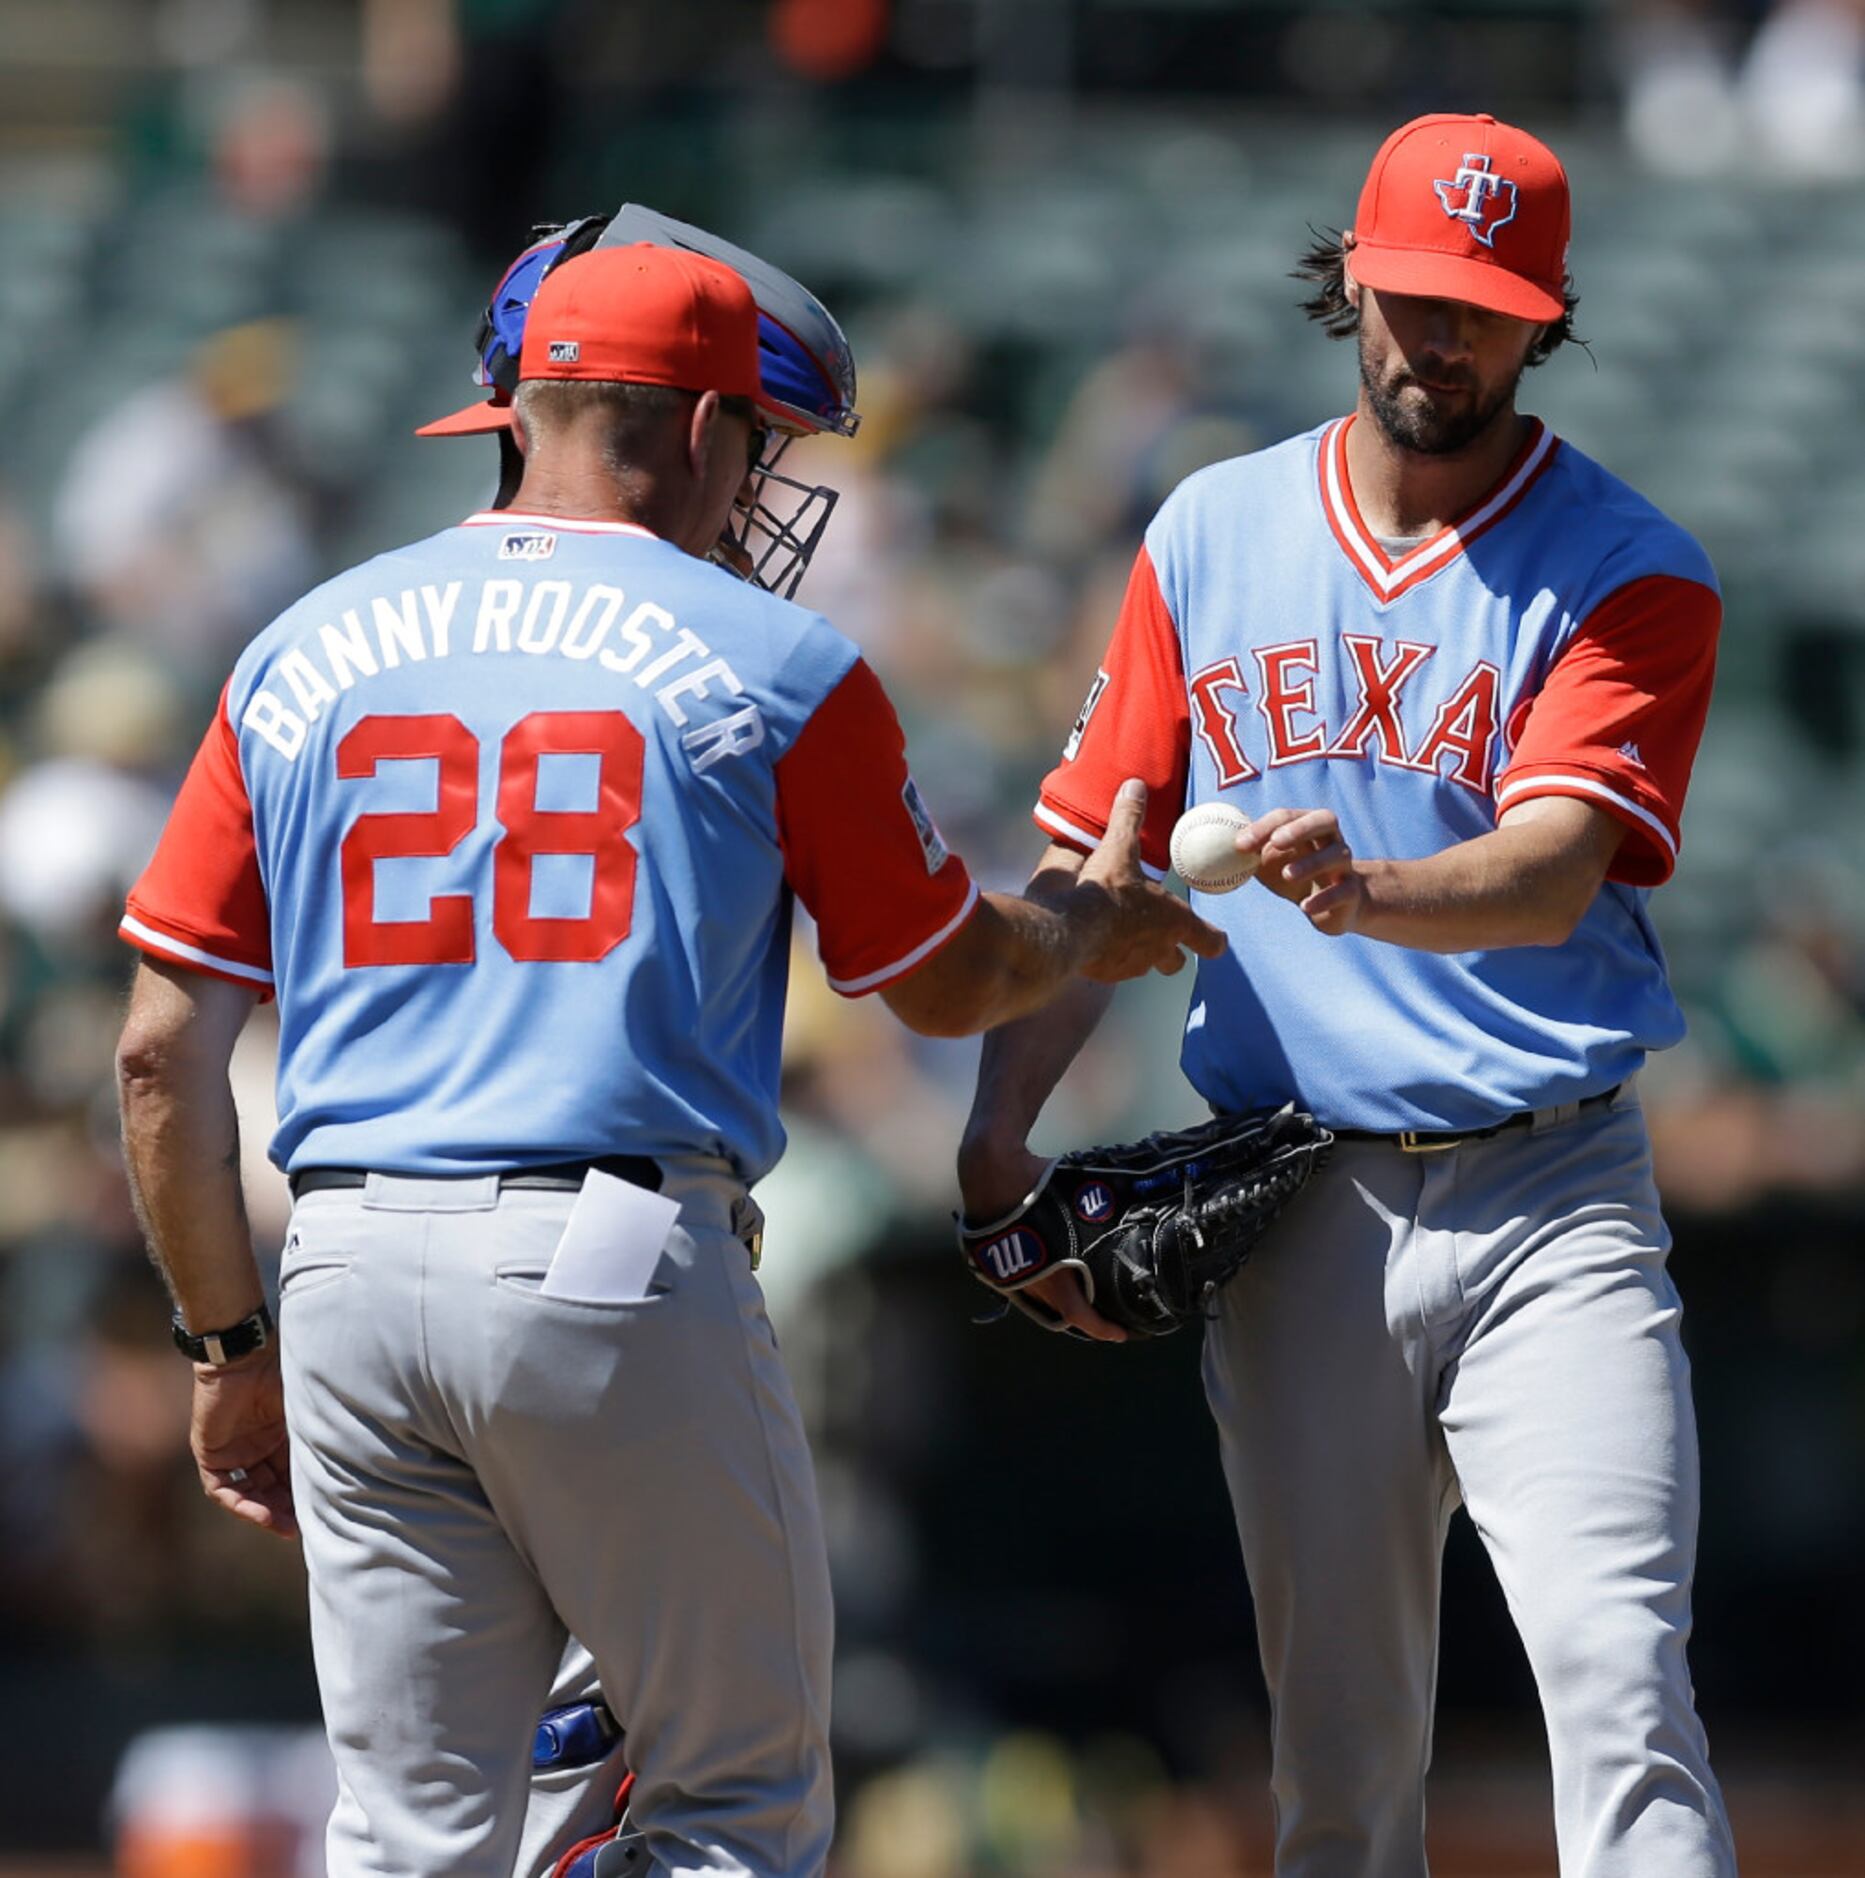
[(805, 368), (776, 522)]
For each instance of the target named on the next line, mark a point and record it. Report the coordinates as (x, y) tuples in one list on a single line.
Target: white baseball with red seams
[(1204, 848)]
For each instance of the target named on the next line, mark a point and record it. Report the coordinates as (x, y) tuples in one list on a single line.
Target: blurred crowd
[(222, 329), (1775, 88)]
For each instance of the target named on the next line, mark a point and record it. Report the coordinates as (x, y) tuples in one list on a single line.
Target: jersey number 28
[(445, 936)]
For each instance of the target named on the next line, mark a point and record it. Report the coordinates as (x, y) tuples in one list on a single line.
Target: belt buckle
[(1412, 1142)]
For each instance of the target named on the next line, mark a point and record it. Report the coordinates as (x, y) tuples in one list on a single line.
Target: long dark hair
[(1324, 267)]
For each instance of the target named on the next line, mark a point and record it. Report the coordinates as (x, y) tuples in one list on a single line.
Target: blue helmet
[(804, 358), (806, 369)]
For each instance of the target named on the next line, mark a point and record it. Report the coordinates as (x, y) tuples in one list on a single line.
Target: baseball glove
[(1154, 1227)]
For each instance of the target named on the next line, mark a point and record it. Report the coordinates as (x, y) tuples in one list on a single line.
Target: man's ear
[(1349, 286), (702, 432), (519, 431)]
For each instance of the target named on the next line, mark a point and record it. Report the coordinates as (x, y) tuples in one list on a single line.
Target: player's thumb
[(1126, 817)]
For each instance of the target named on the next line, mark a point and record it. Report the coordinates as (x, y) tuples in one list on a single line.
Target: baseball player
[(1456, 673), (575, 1824), (510, 821)]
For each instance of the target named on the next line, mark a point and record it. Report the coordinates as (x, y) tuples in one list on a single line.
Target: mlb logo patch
[(532, 547), (1095, 1202), (1081, 723), (932, 843), (565, 351)]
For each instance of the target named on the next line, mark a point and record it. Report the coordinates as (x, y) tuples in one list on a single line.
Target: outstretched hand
[(1141, 926), (238, 1438)]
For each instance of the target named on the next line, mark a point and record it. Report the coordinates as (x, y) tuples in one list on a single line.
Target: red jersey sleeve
[(200, 902), (860, 850), (1618, 721), (1136, 722)]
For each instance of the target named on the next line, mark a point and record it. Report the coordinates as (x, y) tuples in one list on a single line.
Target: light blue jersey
[(1557, 640), (526, 805)]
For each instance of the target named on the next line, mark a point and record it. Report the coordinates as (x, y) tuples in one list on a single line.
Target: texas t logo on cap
[(1478, 197), (1438, 190)]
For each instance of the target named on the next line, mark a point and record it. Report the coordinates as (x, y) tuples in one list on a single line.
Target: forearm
[(1507, 888), (1529, 882), (1022, 1062), (1007, 959), (1035, 952), (181, 1141), (181, 1147)]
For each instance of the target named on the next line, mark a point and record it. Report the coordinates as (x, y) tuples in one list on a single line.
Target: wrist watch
[(224, 1346)]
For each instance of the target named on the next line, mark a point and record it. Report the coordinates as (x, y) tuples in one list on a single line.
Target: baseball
[(1204, 853)]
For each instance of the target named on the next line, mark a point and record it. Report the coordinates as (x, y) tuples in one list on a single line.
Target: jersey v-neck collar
[(500, 518), (1389, 577)]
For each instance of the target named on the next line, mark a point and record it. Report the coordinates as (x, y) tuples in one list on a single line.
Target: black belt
[(1414, 1141), (558, 1176)]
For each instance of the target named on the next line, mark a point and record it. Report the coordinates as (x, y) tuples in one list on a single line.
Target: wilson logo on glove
[(1155, 1228), (1094, 1203), (1017, 1255)]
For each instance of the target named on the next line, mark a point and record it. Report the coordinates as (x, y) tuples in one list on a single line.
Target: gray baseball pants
[(567, 1805), (480, 1470), (1491, 1324)]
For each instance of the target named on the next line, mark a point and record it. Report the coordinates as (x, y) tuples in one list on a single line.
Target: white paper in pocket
[(612, 1242)]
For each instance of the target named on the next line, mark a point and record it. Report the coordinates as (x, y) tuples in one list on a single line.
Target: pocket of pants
[(305, 1266), (527, 1281), (311, 1272)]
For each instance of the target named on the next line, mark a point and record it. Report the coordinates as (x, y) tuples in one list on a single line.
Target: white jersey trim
[(852, 987), (133, 928), (1443, 546), (500, 518), (1058, 825), (1544, 782)]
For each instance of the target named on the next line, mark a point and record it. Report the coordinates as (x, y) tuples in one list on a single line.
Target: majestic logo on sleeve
[(1477, 197)]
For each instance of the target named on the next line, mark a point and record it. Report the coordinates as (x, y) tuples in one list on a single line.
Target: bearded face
[(1438, 373)]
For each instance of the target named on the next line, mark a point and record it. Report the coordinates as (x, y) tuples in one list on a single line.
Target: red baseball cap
[(494, 414), (1465, 208), (645, 315)]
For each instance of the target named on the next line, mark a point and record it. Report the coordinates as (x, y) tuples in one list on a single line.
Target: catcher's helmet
[(805, 365)]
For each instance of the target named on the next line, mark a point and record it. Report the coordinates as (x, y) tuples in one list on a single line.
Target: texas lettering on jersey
[(1558, 640), (1281, 690)]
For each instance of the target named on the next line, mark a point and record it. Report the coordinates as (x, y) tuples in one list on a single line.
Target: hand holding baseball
[(1205, 850), (1303, 857)]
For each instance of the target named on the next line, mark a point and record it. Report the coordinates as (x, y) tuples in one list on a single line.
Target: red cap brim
[(474, 421), (1433, 275)]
